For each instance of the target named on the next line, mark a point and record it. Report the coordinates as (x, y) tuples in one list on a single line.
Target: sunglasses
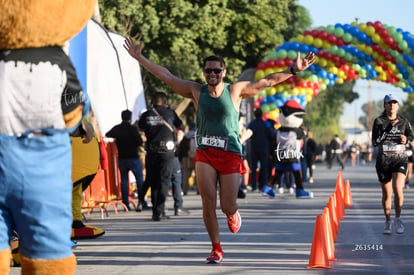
[(216, 71)]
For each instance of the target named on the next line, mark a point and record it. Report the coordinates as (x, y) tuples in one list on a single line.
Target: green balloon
[(341, 52), (281, 54), (339, 32), (347, 37), (330, 29), (348, 57), (334, 49), (292, 54)]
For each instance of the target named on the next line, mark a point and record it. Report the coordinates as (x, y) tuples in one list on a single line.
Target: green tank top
[(217, 122)]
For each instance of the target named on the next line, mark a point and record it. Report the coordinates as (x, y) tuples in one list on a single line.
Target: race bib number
[(393, 148), (216, 142)]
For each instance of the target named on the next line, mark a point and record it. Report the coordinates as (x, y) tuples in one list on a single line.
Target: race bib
[(393, 148), (216, 142)]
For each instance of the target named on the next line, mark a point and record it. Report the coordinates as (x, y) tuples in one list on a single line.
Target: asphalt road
[(275, 237)]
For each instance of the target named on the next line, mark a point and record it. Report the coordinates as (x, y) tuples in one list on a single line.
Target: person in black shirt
[(159, 124), (310, 154), (259, 148), (390, 133), (127, 141)]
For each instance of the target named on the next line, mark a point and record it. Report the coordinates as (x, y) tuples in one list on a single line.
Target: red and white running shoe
[(234, 222)]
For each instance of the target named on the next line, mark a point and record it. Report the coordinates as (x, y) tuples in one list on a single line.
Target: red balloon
[(315, 33), (270, 63), (388, 57), (289, 62), (323, 34), (383, 33), (377, 25), (389, 40), (261, 65), (280, 63), (332, 39)]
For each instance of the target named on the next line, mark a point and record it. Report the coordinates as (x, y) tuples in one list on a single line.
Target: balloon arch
[(346, 52)]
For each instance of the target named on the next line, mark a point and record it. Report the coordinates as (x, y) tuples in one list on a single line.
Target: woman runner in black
[(390, 133)]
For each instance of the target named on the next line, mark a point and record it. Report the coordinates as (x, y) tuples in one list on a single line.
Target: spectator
[(127, 141), (310, 155), (159, 124), (186, 153), (336, 152), (259, 149)]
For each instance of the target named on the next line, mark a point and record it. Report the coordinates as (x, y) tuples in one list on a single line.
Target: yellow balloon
[(368, 50), (271, 91), (370, 30), (326, 44), (259, 74), (378, 69), (317, 42), (340, 81), (308, 39), (295, 91), (376, 38), (273, 115), (268, 71), (333, 70), (322, 62)]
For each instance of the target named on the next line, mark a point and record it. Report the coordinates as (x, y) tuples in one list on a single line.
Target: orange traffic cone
[(340, 184), (333, 216), (347, 195), (328, 235), (339, 205), (318, 256)]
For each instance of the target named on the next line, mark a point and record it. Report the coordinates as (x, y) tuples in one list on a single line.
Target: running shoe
[(399, 226), (291, 190), (281, 190), (215, 257), (234, 222), (268, 191), (310, 180), (303, 194), (388, 228)]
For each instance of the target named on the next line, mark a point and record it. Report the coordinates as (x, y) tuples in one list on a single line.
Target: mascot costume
[(288, 148), (86, 158), (40, 103)]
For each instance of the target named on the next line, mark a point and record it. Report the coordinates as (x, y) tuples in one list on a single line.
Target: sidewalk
[(275, 237)]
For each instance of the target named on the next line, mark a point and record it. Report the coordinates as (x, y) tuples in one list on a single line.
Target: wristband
[(292, 70)]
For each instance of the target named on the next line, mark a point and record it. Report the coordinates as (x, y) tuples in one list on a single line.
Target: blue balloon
[(295, 46), (304, 48)]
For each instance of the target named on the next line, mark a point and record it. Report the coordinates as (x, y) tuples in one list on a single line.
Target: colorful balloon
[(344, 52)]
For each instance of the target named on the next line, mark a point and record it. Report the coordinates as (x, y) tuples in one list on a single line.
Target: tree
[(180, 34), (407, 108), (377, 109), (324, 111)]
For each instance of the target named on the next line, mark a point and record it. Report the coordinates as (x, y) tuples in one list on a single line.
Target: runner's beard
[(213, 82)]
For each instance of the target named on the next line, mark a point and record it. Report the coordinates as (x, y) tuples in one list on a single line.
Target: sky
[(397, 13)]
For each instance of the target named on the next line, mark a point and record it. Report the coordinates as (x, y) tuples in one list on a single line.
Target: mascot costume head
[(291, 115), (40, 100), (288, 151)]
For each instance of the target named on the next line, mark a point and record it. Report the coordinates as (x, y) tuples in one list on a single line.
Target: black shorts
[(387, 164)]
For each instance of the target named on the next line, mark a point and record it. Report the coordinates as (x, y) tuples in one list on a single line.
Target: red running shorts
[(224, 162)]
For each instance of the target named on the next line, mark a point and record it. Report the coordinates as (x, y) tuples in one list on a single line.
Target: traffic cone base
[(328, 236), (318, 256)]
